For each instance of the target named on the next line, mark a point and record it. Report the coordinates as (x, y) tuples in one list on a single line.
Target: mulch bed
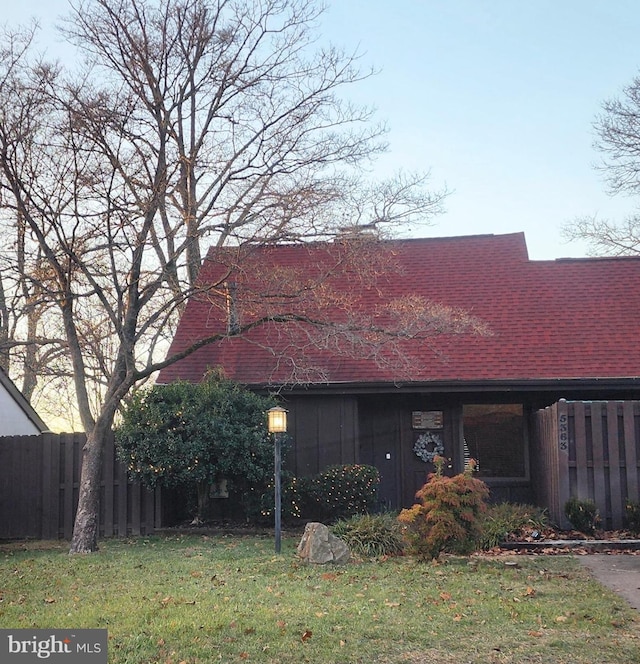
[(555, 542)]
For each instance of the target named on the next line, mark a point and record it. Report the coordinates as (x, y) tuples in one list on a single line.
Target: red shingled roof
[(562, 319)]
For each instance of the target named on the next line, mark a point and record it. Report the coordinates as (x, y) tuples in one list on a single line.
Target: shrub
[(371, 534), (583, 515), (197, 434), (290, 503), (447, 516), (510, 521), (342, 491), (632, 516)]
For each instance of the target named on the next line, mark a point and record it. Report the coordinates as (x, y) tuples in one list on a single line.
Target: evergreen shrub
[(583, 515), (341, 491), (447, 516), (632, 516)]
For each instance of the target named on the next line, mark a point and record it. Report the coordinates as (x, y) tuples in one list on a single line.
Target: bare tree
[(195, 122), (618, 140), (29, 347)]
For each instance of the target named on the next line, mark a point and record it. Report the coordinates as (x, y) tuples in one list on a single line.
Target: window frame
[(492, 480)]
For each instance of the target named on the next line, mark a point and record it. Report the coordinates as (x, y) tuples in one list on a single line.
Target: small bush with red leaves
[(447, 516)]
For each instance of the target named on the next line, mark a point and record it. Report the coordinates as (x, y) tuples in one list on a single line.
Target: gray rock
[(320, 546)]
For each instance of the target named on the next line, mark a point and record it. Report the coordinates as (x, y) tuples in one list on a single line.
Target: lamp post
[(277, 425)]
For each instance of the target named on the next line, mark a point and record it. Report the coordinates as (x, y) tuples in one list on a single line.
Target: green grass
[(230, 599)]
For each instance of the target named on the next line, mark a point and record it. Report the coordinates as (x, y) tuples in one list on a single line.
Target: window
[(494, 437)]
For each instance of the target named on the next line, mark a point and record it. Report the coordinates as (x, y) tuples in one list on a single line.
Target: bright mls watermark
[(72, 646)]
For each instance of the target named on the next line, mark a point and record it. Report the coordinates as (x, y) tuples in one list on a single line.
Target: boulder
[(320, 546)]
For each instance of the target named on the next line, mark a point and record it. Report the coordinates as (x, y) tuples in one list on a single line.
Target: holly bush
[(200, 433)]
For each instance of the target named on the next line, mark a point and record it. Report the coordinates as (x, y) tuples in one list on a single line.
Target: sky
[(496, 98)]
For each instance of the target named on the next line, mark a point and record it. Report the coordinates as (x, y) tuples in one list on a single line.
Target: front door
[(380, 447), (401, 441)]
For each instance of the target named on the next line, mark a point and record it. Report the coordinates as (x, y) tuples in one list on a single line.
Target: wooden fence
[(39, 480), (590, 450)]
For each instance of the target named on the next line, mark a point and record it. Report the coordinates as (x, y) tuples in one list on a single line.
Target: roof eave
[(459, 386)]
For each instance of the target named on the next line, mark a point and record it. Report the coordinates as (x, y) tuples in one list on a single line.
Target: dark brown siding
[(324, 432)]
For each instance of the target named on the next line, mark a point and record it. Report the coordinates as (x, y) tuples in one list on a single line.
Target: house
[(547, 331), (18, 417)]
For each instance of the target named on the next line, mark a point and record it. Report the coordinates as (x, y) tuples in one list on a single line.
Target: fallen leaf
[(281, 624), (250, 630), (457, 617), (388, 603), (244, 655), (50, 600), (561, 619), (306, 635), (529, 592), (329, 576), (445, 596), (535, 633)]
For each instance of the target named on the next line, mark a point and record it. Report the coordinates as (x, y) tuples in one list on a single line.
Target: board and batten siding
[(324, 432)]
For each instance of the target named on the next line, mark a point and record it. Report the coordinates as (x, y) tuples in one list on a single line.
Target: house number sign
[(426, 419), (563, 432)]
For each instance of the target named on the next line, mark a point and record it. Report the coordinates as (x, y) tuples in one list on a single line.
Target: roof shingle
[(562, 319)]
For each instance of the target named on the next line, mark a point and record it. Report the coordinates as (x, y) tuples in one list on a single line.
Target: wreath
[(428, 446)]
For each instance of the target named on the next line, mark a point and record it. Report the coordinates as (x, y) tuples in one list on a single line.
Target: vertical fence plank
[(157, 522), (67, 484), (597, 438), (50, 485), (629, 409), (551, 451), (615, 487), (107, 484), (134, 495), (121, 490), (582, 480), (562, 441)]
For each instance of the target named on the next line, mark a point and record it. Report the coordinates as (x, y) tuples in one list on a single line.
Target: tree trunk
[(85, 528), (204, 501)]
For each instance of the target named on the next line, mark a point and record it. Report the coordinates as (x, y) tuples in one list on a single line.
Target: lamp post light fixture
[(277, 425)]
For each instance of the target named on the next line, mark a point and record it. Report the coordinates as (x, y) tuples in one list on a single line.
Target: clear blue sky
[(496, 97)]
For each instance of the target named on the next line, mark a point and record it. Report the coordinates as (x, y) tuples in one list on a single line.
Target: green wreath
[(428, 446)]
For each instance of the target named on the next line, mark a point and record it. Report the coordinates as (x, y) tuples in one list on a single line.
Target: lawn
[(230, 599)]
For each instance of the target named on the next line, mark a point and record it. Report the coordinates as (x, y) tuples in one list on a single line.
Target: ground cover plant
[(511, 521), (583, 515), (197, 599), (371, 534)]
